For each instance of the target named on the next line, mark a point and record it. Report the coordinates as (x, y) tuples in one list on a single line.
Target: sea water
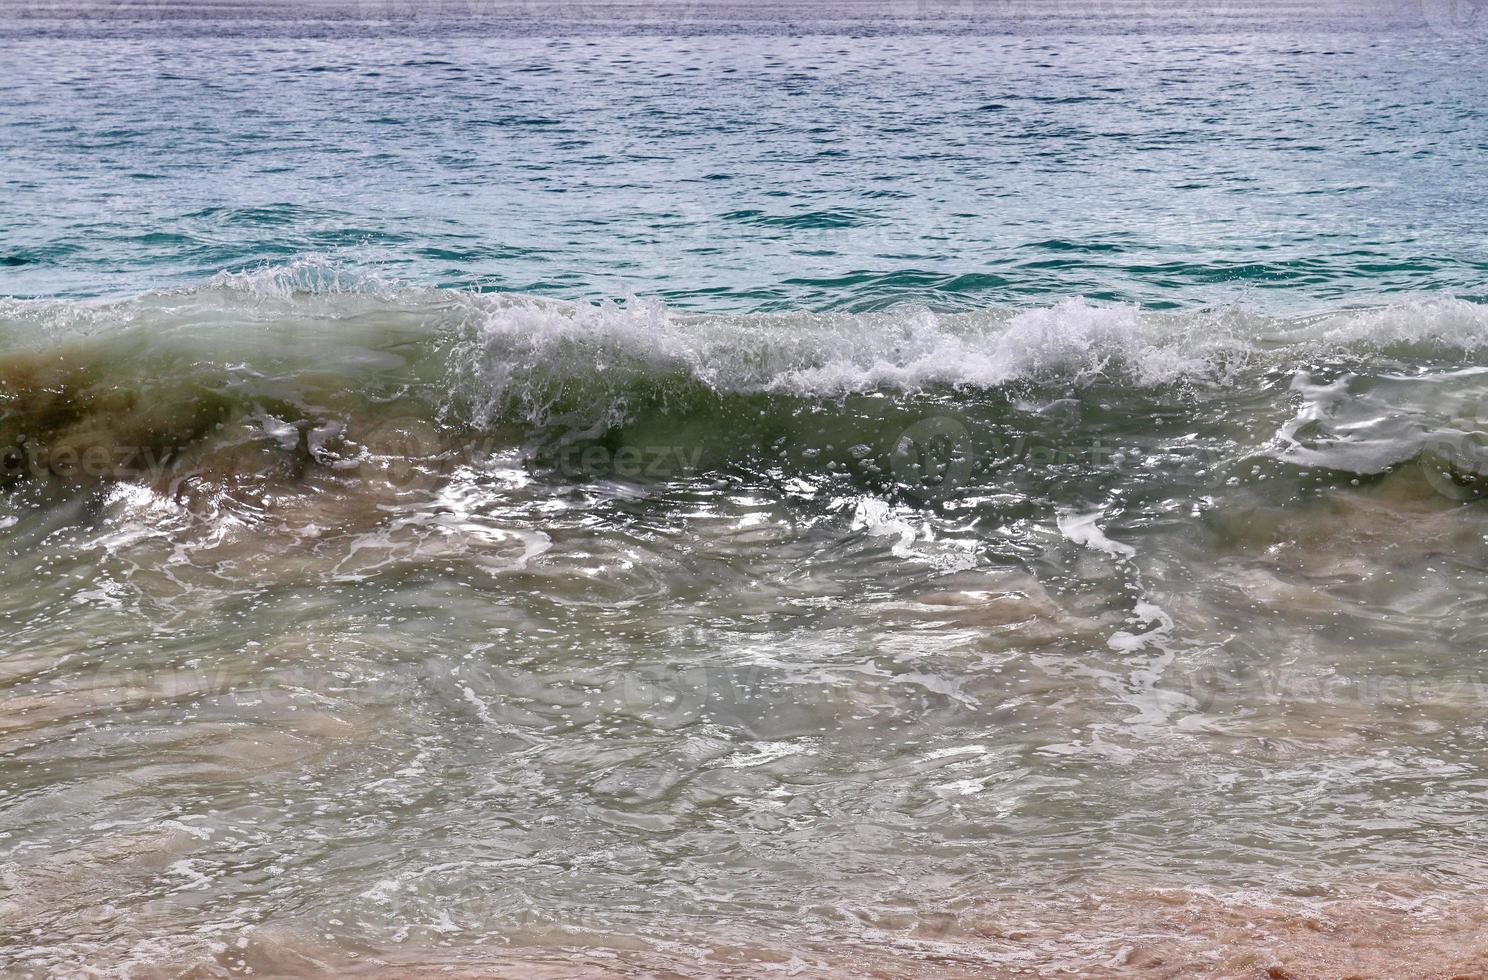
[(701, 489)]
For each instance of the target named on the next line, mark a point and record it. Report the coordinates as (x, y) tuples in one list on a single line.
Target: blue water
[(1297, 160)]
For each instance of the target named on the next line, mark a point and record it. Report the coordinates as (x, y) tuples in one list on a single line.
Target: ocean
[(965, 489)]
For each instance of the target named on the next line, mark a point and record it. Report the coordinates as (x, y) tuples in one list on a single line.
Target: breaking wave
[(304, 364)]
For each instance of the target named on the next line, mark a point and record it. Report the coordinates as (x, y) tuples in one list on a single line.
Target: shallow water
[(773, 515)]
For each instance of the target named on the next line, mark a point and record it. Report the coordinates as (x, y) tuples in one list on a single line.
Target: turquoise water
[(1302, 163), (705, 490)]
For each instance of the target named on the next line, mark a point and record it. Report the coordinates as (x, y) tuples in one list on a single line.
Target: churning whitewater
[(612, 584)]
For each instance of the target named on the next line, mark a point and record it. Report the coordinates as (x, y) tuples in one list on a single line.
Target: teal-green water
[(1309, 158), (923, 490)]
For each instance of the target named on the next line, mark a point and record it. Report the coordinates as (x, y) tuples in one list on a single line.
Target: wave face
[(300, 368)]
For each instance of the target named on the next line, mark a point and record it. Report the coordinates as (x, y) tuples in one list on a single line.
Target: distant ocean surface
[(705, 489), (845, 157)]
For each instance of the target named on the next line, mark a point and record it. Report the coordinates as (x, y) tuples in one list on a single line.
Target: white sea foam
[(515, 357), (519, 351), (1081, 529)]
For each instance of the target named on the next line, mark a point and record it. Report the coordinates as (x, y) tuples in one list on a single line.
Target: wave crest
[(321, 350)]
